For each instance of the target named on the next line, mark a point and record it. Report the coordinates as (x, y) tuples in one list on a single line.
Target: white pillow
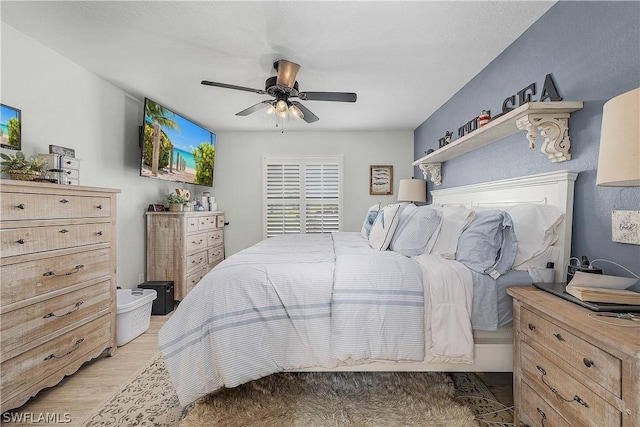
[(535, 228), (372, 213), (454, 220), (415, 228), (384, 227)]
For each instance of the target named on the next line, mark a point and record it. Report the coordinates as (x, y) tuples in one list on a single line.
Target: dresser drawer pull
[(75, 270), (21, 206), (556, 392), (588, 363), (63, 231), (532, 327), (76, 307), (543, 416), (77, 346), (99, 233), (198, 261), (21, 241), (64, 201), (559, 337), (99, 206), (197, 243)]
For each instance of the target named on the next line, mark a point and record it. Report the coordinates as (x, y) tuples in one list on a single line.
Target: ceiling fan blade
[(227, 86), (287, 72), (307, 115), (253, 108), (328, 96)]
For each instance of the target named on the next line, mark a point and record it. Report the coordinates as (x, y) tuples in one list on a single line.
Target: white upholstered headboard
[(552, 188)]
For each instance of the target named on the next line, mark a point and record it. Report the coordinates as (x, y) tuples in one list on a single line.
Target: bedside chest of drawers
[(183, 247), (58, 291), (572, 368)]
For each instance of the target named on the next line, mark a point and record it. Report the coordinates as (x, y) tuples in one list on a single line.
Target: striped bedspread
[(320, 300)]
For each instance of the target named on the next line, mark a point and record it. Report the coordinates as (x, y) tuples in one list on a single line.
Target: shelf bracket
[(434, 169), (554, 128)]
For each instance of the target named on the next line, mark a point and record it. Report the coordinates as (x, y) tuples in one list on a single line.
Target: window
[(302, 195)]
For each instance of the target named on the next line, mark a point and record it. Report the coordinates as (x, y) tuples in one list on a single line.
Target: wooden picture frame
[(380, 180)]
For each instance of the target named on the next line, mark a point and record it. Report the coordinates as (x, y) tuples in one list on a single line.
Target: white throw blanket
[(309, 301)]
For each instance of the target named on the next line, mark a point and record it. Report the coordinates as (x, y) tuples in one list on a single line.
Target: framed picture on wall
[(10, 122), (380, 180)]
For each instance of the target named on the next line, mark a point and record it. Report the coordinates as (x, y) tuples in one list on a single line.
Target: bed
[(337, 302)]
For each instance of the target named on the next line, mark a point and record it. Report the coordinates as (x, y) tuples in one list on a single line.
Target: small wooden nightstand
[(570, 367)]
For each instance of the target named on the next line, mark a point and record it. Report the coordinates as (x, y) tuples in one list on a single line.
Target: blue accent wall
[(592, 50)]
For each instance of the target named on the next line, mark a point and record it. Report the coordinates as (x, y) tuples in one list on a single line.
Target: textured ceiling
[(403, 59)]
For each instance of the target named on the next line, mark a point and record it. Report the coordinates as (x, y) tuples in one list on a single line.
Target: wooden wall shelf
[(551, 119)]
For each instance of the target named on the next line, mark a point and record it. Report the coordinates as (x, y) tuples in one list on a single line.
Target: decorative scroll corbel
[(555, 131), (434, 169)]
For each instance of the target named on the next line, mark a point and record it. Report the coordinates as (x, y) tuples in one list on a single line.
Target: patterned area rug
[(310, 399)]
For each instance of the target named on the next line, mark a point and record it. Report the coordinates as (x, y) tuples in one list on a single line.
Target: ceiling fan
[(283, 87)]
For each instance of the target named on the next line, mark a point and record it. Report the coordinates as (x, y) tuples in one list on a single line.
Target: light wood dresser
[(570, 368), (58, 292), (183, 247)]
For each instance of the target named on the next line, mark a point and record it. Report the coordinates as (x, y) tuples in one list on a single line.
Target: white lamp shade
[(619, 159), (412, 190)]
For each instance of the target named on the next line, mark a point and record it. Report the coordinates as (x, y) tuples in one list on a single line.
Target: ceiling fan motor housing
[(273, 89)]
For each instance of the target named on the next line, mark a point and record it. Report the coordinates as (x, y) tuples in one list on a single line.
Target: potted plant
[(20, 167), (175, 202)]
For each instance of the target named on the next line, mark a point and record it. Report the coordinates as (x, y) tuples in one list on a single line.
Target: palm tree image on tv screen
[(176, 149)]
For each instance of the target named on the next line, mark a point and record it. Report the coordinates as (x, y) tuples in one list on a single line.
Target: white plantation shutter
[(302, 195)]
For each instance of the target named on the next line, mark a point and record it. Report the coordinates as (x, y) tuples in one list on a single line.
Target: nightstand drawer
[(569, 397), (586, 358), (535, 412)]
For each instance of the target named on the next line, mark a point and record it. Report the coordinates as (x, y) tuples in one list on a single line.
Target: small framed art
[(10, 123), (380, 180)]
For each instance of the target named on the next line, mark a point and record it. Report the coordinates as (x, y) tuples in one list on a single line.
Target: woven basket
[(22, 175)]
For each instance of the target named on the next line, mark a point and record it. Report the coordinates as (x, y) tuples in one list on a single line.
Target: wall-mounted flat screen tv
[(174, 148), (9, 127)]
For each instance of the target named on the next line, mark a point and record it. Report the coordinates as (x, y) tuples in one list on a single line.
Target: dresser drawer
[(30, 324), (588, 359), (69, 163), (21, 241), (535, 412), (35, 365), (192, 224), (22, 206), (569, 397), (207, 222), (215, 238), (216, 255), (196, 242), (35, 278), (194, 278), (196, 261), (220, 221)]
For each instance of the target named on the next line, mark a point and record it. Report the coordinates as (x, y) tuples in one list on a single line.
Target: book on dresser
[(617, 296)]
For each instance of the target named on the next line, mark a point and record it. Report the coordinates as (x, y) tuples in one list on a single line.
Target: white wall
[(66, 105), (238, 172)]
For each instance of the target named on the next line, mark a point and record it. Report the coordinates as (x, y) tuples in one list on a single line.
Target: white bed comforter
[(320, 300)]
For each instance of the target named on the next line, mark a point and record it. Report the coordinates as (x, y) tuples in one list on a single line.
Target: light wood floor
[(85, 391)]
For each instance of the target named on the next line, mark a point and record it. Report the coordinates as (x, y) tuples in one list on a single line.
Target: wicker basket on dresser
[(571, 368), (183, 247), (58, 292)]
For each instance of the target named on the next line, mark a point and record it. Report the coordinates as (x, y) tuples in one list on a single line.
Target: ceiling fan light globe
[(295, 112), (282, 107)]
